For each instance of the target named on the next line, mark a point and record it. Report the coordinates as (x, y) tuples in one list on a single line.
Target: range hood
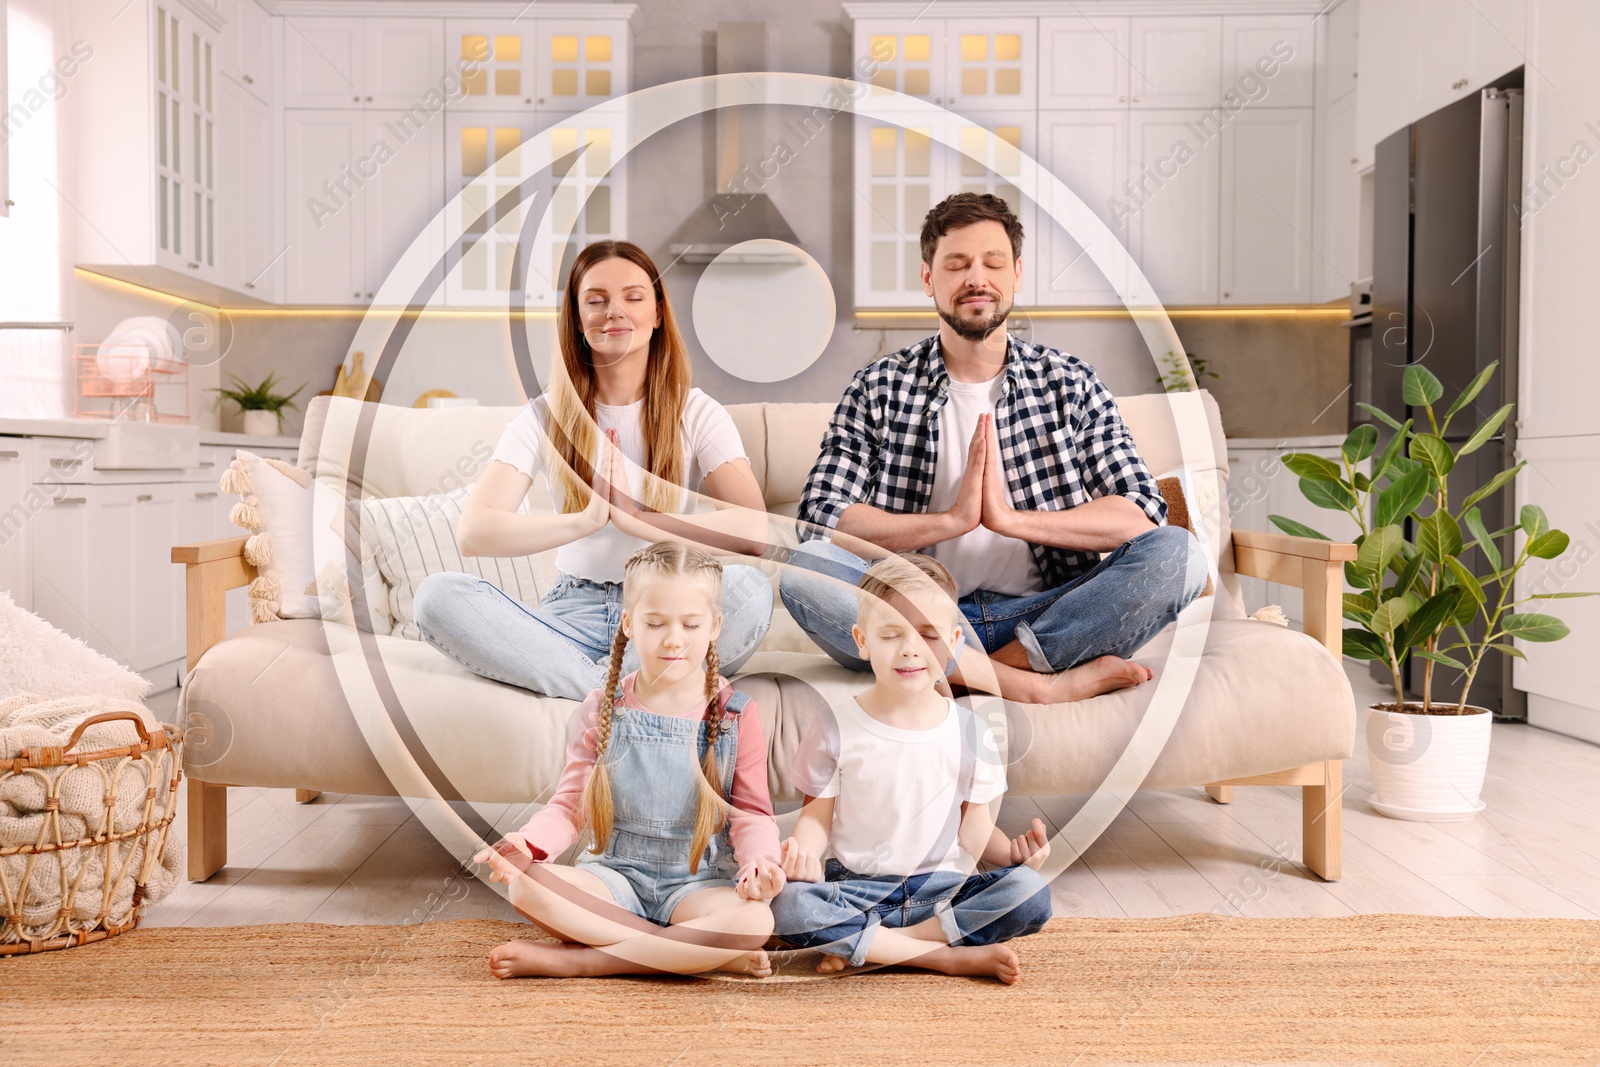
[(737, 211)]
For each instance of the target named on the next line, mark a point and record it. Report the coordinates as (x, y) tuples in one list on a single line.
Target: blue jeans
[(841, 914), (1113, 608), (562, 648)]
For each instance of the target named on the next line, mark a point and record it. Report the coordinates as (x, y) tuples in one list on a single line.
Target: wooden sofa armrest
[(211, 569), (1315, 567)]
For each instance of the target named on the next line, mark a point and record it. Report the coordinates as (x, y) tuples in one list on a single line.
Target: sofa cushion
[(295, 703)]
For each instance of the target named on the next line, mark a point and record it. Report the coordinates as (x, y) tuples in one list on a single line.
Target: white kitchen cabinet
[(1088, 151), (586, 202), (1336, 202), (60, 567), (250, 250), (362, 185), (1083, 63), (991, 64), (1252, 45), (18, 505), (1387, 64), (1499, 39), (145, 140), (579, 63), (1177, 62), (501, 53), (903, 171), (158, 515), (342, 62), (1265, 220), (246, 48), (326, 263), (906, 56), (1340, 42), (1174, 219)]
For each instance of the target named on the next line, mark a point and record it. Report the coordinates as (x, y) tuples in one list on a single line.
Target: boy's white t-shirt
[(710, 439), (979, 558), (897, 793)]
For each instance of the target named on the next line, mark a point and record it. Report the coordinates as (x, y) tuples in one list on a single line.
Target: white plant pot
[(260, 423), (1427, 768)]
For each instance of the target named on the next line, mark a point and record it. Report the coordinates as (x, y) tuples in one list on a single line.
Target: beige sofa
[(324, 706)]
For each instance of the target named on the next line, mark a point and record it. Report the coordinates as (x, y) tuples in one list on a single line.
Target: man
[(1007, 462)]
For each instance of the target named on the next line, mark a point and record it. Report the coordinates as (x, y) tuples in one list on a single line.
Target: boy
[(898, 785)]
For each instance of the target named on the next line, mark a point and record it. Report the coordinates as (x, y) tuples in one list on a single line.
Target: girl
[(666, 777), (619, 435)]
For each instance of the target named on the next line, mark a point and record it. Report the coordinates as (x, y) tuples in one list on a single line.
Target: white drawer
[(62, 460)]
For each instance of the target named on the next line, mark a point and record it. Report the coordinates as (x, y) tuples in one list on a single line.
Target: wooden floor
[(1533, 852)]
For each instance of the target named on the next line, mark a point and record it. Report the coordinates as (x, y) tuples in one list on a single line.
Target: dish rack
[(129, 381)]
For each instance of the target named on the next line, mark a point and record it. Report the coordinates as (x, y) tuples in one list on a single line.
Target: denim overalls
[(654, 764)]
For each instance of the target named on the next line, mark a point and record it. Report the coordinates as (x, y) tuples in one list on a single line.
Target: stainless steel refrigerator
[(1446, 191)]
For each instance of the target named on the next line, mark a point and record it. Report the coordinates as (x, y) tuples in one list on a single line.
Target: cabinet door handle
[(357, 99), (193, 266), (10, 455), (71, 500), (205, 496), (369, 99), (249, 80), (208, 463), (1460, 83), (143, 497), (62, 461), (252, 285)]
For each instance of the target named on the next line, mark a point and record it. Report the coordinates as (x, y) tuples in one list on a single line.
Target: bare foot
[(1101, 675), (978, 961), (536, 959), (756, 964), (832, 964)]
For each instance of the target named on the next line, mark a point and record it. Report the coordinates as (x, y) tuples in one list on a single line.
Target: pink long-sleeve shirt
[(751, 827)]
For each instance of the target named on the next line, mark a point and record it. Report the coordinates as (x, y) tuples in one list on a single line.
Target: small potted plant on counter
[(262, 409), (1417, 598)]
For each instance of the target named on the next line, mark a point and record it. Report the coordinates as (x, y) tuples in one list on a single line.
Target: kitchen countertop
[(94, 429), (1327, 440)]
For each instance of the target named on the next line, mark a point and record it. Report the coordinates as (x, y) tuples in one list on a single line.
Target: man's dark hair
[(964, 209)]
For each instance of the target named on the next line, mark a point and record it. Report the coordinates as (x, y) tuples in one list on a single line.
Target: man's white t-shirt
[(897, 793), (979, 558), (710, 439)]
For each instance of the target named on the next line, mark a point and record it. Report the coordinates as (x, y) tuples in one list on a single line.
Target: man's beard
[(975, 330)]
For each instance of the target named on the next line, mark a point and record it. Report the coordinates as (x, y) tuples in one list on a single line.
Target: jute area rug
[(1194, 989)]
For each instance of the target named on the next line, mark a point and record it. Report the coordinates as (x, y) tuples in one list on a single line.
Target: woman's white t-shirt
[(897, 793), (710, 439)]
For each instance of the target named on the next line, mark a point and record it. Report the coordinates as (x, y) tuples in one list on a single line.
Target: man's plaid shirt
[(1060, 435)]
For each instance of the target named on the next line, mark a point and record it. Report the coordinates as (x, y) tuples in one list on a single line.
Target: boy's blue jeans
[(841, 914), (1114, 608)]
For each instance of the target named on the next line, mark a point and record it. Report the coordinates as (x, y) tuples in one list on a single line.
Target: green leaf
[(1403, 465), (1433, 453), (1390, 614), (1553, 596), (1510, 650), (1466, 608), (1448, 661), (1427, 620), (1330, 495), (1359, 443), (1359, 644), (1358, 607), (1402, 497), (1465, 579), (1474, 523), (1439, 536), (1361, 482), (1296, 529), (1382, 416), (1376, 550), (1533, 521), (1420, 387), (1473, 388), (1396, 445), (1408, 575), (1486, 431), (1314, 467), (1548, 545), (1491, 485), (1531, 626), (1353, 575)]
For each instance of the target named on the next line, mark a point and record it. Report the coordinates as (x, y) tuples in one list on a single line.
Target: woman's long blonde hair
[(663, 559), (573, 431)]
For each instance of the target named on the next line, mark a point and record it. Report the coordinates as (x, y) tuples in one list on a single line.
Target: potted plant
[(1417, 599), (1183, 373), (261, 407)]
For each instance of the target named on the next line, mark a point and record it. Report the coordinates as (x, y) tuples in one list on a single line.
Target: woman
[(619, 435)]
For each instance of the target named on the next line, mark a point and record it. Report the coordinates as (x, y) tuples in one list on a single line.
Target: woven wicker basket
[(160, 760)]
